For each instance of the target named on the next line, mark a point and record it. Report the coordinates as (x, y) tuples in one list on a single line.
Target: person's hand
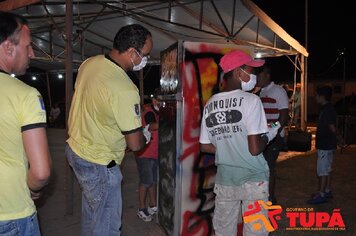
[(147, 133), (272, 131), (341, 141)]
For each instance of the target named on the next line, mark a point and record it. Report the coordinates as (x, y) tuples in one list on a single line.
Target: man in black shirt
[(325, 144)]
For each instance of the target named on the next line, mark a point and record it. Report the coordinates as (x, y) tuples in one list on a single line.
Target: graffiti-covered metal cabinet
[(190, 75)]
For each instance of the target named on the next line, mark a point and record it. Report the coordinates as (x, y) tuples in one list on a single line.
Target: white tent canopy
[(96, 22)]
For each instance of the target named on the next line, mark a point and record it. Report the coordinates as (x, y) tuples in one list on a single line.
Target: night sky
[(331, 30)]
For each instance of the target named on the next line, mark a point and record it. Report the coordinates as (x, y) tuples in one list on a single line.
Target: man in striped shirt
[(275, 103)]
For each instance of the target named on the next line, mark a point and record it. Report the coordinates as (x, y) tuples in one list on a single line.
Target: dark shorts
[(147, 171), (272, 151)]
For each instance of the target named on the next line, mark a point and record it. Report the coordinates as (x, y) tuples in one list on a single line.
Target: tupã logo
[(260, 220), (299, 218)]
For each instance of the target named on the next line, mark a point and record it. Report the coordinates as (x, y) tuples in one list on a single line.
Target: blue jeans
[(101, 196), (27, 226)]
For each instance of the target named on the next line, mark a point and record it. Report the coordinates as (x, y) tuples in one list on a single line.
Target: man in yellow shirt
[(25, 162), (104, 120)]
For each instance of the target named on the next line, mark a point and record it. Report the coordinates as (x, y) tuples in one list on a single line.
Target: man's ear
[(8, 47), (131, 51)]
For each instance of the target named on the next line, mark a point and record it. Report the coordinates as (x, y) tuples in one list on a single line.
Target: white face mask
[(142, 63), (249, 85)]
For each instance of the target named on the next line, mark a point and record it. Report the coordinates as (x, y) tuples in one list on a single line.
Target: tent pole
[(68, 98), (48, 90), (302, 94), (306, 67)]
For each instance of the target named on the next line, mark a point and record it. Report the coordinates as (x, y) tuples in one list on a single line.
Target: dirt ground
[(296, 181)]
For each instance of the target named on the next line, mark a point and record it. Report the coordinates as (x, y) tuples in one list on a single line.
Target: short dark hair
[(131, 36), (326, 91), (265, 69), (10, 26)]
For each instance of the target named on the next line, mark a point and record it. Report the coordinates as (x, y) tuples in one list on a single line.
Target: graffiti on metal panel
[(167, 163), (169, 79), (201, 79)]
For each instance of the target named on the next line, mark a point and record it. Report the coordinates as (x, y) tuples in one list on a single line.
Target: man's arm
[(205, 143), (339, 138), (283, 118), (40, 163), (135, 141), (207, 148), (257, 143), (332, 127)]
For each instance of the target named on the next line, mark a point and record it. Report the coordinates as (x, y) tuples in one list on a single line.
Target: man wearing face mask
[(234, 128), (104, 120)]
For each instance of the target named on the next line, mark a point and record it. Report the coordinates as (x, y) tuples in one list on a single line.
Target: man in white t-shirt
[(275, 103), (234, 128)]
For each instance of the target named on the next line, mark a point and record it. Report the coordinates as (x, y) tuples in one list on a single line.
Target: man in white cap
[(234, 128)]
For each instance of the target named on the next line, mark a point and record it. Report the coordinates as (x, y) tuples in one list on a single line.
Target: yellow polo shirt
[(21, 108), (105, 106)]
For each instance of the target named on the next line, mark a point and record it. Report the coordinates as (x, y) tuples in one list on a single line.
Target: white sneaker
[(152, 210), (144, 215)]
